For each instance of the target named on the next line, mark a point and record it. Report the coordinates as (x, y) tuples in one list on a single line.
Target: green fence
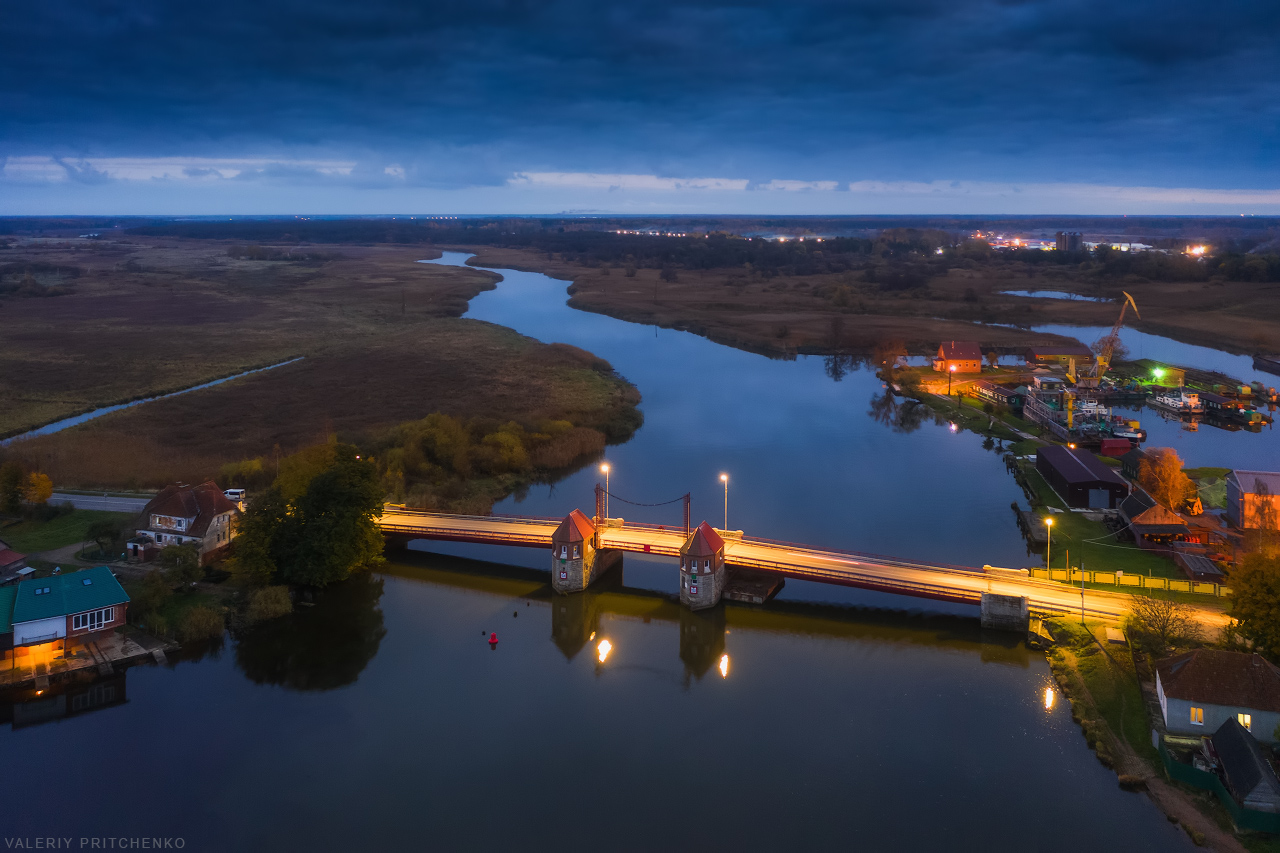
[(1206, 781), (1120, 580)]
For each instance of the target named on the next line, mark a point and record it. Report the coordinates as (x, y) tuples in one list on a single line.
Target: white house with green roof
[(73, 606)]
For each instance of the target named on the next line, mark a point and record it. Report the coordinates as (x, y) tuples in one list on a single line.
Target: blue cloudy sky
[(493, 106)]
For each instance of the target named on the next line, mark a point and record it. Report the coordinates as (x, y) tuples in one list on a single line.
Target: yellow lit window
[(1197, 716), (1246, 720)]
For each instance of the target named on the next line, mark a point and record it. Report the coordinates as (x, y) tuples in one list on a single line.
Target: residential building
[(1080, 478), (1245, 768), (182, 514), (1253, 499), (958, 357), (1202, 689), (48, 613), (1131, 463)]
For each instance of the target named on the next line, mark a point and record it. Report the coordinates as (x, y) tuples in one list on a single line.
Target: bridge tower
[(576, 556), (702, 572)]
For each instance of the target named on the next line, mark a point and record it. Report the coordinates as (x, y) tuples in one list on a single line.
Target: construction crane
[(1106, 346)]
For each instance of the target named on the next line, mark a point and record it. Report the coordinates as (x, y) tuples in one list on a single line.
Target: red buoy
[(493, 638)]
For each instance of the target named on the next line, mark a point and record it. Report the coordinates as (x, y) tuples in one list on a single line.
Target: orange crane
[(1107, 344)]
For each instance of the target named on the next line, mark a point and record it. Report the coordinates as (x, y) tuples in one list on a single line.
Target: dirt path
[(1171, 800)]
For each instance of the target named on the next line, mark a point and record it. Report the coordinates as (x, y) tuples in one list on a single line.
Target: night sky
[(895, 106)]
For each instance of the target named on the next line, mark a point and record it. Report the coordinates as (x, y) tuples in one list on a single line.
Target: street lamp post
[(951, 371), (604, 469), (724, 478), (1048, 545)]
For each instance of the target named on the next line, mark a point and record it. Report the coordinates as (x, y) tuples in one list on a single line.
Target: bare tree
[(1163, 621)]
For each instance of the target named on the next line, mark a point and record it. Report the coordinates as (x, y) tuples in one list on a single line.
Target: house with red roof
[(573, 554), (702, 573), (1202, 689), (10, 560), (182, 514), (958, 357)]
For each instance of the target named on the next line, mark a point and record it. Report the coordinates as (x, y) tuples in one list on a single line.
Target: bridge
[(962, 584)]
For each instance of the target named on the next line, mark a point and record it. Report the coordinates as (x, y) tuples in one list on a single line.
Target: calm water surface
[(381, 719)]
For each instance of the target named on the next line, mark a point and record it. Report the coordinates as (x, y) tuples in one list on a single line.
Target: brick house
[(958, 356), (183, 514), (49, 613)]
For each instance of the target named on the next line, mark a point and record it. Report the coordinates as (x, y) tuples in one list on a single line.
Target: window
[(706, 565), (93, 620), (87, 581), (1246, 720), (1197, 716), (564, 552), (575, 552)]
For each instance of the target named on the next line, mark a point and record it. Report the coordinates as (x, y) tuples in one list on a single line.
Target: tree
[(993, 359), (330, 531), (38, 489), (1162, 476), (669, 274), (1162, 621), (886, 355), (12, 479), (1255, 602), (181, 563), (255, 560), (105, 533)]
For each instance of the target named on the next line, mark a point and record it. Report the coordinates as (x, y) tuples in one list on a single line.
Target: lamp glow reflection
[(1049, 696), (724, 666), (603, 650)]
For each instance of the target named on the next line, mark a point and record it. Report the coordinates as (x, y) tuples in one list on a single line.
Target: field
[(829, 313), (30, 537), (379, 334)]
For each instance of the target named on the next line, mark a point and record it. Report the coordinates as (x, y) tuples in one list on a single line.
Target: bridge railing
[(861, 555)]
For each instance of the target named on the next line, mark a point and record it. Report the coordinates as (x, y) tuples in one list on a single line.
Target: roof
[(1243, 762), (1060, 349), (1141, 509), (7, 595), (1214, 677), (71, 593), (1079, 465), (1210, 397), (1199, 565), (576, 527), (1247, 481), (960, 350), (9, 556), (203, 503), (1134, 456), (704, 542)]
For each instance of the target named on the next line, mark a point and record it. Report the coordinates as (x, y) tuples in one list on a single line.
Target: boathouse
[(1253, 499), (702, 568), (958, 357), (1202, 689), (1153, 527), (1080, 478)]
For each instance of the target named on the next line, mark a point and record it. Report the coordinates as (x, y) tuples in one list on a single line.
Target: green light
[(1158, 372)]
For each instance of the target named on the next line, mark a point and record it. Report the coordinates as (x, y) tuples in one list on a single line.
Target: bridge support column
[(1005, 612), (575, 560), (702, 572)]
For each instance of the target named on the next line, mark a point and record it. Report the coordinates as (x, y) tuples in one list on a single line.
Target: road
[(887, 574), (100, 502)]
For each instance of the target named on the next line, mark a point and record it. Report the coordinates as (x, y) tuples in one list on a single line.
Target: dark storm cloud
[(470, 92)]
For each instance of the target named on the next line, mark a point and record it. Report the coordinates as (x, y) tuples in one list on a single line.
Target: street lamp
[(604, 469), (1048, 545), (724, 478), (950, 372)]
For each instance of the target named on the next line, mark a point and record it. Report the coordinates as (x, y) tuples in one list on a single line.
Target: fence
[(1206, 781), (1120, 579)]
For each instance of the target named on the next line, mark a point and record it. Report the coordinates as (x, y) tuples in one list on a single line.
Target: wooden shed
[(1245, 769)]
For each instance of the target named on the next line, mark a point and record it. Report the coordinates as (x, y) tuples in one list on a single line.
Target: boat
[(1266, 365), (1179, 400)]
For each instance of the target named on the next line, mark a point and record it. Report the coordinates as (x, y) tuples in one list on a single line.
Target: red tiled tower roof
[(704, 542), (576, 527)]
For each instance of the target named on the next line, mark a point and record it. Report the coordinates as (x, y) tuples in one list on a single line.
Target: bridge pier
[(1005, 612), (575, 559)]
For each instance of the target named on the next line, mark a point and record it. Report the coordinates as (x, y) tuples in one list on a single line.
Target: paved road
[(109, 504), (905, 577)]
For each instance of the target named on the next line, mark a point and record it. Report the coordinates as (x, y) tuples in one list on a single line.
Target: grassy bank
[(31, 537)]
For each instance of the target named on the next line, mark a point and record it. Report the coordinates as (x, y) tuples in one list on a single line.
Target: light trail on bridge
[(960, 584)]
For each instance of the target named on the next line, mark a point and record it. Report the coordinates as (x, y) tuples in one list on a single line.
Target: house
[(49, 613), (702, 568), (10, 560), (998, 394), (958, 357), (1080, 478), (182, 514), (1131, 462), (1253, 499), (7, 594), (1153, 526), (1202, 689), (1061, 354), (1248, 774)]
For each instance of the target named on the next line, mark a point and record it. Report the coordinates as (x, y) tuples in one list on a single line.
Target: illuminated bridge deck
[(866, 571)]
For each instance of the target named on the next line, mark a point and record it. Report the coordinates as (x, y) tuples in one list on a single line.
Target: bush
[(270, 602), (153, 594), (200, 623)]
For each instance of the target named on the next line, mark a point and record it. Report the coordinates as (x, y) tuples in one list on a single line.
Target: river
[(381, 719)]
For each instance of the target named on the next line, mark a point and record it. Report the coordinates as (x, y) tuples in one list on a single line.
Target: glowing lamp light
[(1049, 696), (1072, 446), (724, 478), (604, 469), (952, 368), (602, 650), (724, 666), (954, 427), (1048, 522), (1158, 373)]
